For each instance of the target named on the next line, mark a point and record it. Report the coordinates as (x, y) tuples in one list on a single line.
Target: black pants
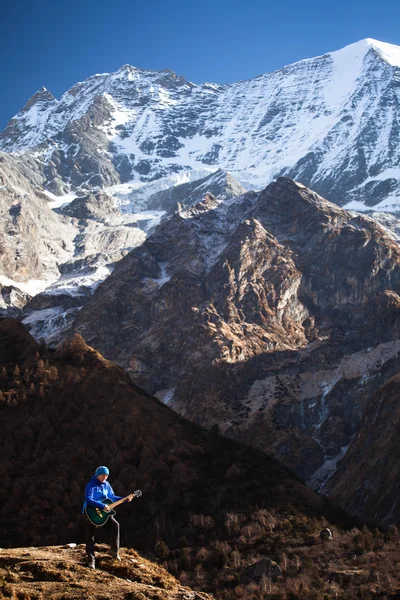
[(112, 528)]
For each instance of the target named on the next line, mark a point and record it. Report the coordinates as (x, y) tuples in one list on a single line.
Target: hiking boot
[(115, 555), (91, 562)]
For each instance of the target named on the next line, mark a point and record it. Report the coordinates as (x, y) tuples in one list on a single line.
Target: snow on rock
[(323, 474), (49, 324), (164, 278), (57, 201)]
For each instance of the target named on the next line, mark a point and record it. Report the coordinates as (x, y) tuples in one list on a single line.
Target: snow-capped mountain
[(331, 122), (242, 308)]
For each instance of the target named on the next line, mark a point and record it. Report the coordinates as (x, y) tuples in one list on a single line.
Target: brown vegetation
[(210, 506)]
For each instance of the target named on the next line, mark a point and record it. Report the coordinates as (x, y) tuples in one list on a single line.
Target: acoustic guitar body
[(97, 516)]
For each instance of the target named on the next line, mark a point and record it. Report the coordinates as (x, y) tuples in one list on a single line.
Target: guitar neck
[(114, 504)]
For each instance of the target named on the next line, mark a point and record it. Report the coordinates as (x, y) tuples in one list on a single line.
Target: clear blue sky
[(56, 43)]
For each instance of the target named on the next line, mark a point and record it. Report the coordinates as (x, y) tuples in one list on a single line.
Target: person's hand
[(130, 497), (106, 508)]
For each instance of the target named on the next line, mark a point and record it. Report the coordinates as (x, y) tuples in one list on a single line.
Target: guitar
[(99, 517)]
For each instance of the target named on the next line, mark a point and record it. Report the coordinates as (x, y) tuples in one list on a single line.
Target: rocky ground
[(60, 572)]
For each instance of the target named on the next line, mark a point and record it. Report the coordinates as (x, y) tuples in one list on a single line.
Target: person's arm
[(90, 501), (111, 494)]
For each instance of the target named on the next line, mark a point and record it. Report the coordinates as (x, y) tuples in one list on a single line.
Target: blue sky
[(57, 43)]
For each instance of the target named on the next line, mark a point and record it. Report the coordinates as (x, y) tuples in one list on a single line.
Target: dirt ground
[(60, 572)]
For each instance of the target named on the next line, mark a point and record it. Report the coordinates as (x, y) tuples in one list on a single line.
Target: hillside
[(211, 508)]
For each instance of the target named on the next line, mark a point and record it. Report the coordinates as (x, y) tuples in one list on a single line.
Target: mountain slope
[(367, 480), (331, 122), (55, 392), (251, 314), (34, 240), (220, 517)]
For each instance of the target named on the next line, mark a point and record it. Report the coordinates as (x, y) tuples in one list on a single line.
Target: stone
[(262, 568), (326, 534)]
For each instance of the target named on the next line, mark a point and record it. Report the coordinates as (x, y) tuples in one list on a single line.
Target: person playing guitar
[(98, 504)]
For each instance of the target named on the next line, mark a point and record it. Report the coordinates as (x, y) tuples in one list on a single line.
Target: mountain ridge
[(324, 121)]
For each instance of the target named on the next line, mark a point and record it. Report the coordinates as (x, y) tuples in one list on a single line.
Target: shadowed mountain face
[(275, 317), (65, 411), (368, 479)]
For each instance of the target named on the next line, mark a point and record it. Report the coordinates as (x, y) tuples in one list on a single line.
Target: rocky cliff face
[(274, 315), (219, 184), (57, 256), (34, 240), (367, 480), (330, 122)]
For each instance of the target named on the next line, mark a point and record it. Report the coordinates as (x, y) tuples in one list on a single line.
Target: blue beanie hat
[(102, 471)]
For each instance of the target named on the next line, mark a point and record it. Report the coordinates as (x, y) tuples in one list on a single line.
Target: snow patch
[(57, 201), (166, 396), (325, 472), (31, 287)]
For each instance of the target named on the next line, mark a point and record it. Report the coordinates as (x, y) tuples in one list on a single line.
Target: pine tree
[(3, 374), (40, 368), (17, 374), (53, 374)]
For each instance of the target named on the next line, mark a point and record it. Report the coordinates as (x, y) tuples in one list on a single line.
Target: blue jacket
[(96, 491)]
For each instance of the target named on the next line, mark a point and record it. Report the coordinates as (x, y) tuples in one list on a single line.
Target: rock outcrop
[(61, 572), (220, 184), (33, 239)]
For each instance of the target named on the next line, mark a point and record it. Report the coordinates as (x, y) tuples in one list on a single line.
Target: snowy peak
[(389, 52), (125, 72), (220, 185), (358, 50), (42, 97), (331, 122), (22, 130), (130, 73)]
